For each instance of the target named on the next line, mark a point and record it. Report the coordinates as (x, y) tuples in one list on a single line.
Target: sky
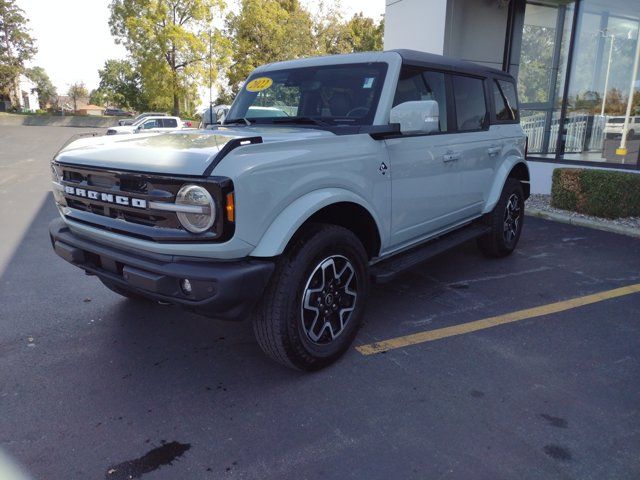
[(74, 40)]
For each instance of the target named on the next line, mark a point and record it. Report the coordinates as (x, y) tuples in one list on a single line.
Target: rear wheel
[(312, 308), (505, 221)]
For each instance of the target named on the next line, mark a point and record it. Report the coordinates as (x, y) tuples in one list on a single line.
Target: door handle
[(494, 150), (450, 157)]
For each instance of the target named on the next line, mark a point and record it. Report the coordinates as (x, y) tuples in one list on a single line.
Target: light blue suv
[(370, 164)]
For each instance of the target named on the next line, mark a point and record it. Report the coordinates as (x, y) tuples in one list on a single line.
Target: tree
[(334, 35), (120, 85), (535, 63), (265, 31), (364, 34), (16, 46), (97, 97), (44, 88), (76, 91), (169, 42)]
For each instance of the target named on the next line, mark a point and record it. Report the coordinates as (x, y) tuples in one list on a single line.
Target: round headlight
[(200, 210)]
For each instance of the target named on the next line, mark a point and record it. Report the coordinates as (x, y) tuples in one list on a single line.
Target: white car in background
[(614, 126), (148, 125), (220, 112)]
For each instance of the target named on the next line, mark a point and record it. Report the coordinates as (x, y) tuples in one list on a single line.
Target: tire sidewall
[(512, 187), (337, 241)]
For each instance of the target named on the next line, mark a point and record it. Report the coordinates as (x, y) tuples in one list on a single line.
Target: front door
[(425, 186), (425, 172)]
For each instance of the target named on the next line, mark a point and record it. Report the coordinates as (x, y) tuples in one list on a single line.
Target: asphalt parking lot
[(94, 386)]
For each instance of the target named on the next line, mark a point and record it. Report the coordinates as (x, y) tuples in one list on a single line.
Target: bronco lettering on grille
[(105, 197)]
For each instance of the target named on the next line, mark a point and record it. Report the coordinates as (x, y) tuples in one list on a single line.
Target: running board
[(386, 270)]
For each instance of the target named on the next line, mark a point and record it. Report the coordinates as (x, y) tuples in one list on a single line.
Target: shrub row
[(602, 193)]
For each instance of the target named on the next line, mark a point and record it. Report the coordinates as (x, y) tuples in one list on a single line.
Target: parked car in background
[(219, 112), (149, 124), (140, 117), (613, 127), (117, 112)]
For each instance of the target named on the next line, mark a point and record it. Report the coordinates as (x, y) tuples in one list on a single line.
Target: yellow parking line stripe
[(431, 335)]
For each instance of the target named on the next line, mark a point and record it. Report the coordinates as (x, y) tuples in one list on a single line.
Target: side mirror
[(417, 116)]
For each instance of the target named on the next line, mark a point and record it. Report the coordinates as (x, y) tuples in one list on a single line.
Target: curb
[(582, 222)]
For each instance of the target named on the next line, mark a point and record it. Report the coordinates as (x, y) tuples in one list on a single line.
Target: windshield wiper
[(238, 121), (302, 120)]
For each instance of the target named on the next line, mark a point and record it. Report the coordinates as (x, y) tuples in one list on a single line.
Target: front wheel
[(505, 221), (312, 308)]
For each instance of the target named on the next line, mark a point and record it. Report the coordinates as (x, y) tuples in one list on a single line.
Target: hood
[(123, 128), (175, 153)]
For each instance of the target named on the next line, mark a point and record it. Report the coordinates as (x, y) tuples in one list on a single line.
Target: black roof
[(414, 57)]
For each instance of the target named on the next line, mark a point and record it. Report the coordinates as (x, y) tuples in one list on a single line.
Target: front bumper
[(220, 289)]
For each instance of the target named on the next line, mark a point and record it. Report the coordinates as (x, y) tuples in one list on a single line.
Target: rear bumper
[(220, 289)]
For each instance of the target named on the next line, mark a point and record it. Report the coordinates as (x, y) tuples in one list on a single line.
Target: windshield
[(139, 119), (332, 94)]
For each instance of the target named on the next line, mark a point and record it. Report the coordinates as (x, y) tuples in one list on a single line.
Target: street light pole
[(622, 150), (210, 78), (606, 78)]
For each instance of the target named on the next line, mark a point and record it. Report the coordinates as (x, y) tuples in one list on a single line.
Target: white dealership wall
[(473, 30), (415, 24)]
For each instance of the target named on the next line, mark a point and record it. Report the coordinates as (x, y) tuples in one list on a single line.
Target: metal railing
[(577, 139)]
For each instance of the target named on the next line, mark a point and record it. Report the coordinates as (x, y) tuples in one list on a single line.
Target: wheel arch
[(513, 167), (331, 206)]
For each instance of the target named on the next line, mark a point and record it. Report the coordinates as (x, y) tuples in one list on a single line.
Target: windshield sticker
[(368, 82), (259, 84)]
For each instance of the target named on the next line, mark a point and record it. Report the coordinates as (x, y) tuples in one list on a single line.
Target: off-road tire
[(279, 318), (498, 243), (123, 292)]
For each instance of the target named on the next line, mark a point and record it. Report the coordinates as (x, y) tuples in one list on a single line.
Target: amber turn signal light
[(231, 207)]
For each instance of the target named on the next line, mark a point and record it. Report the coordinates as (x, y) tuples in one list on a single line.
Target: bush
[(602, 193)]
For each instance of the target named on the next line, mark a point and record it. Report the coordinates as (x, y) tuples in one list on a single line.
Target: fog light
[(185, 284)]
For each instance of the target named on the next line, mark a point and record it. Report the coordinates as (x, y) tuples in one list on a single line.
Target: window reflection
[(600, 81)]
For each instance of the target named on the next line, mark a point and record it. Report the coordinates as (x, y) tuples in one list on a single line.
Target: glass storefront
[(575, 77)]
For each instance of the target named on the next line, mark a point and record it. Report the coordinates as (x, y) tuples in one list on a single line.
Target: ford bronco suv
[(370, 164)]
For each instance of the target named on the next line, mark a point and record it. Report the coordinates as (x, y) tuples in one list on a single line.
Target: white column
[(415, 24)]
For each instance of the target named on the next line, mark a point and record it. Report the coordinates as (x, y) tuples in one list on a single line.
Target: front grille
[(142, 222)]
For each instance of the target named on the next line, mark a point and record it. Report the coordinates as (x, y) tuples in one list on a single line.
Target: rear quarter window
[(505, 101)]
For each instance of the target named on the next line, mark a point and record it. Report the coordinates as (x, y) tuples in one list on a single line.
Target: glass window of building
[(576, 82)]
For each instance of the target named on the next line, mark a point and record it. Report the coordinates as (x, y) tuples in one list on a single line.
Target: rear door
[(474, 147), (169, 123)]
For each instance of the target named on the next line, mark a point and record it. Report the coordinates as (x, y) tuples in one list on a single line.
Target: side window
[(169, 123), (504, 98), (417, 84), (150, 124), (471, 109)]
